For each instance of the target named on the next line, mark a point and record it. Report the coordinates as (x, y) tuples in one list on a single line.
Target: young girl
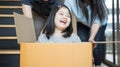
[(59, 27)]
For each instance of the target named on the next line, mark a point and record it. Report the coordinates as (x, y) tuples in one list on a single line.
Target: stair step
[(6, 15), (7, 26), (13, 7), (9, 0), (9, 51), (7, 37)]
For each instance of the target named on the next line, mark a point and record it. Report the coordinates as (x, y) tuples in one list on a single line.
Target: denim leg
[(99, 51), (83, 32)]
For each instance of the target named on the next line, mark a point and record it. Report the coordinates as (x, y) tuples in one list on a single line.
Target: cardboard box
[(56, 55)]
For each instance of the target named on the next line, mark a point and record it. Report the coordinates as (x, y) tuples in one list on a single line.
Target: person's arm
[(93, 32), (94, 29), (27, 10)]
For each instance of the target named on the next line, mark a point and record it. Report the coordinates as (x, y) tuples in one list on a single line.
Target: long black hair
[(50, 25), (98, 8)]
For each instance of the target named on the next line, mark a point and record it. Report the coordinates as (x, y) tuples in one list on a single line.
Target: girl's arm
[(27, 10)]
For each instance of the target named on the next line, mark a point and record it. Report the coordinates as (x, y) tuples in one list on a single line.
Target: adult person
[(38, 10), (91, 23)]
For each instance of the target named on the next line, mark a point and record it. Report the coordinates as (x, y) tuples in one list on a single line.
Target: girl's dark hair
[(98, 8), (50, 25)]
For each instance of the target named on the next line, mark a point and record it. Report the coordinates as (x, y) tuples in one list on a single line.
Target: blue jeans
[(84, 33)]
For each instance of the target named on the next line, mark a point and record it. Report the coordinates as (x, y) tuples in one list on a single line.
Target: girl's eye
[(68, 15), (61, 13)]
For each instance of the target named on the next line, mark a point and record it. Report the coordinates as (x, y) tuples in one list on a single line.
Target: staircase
[(9, 48)]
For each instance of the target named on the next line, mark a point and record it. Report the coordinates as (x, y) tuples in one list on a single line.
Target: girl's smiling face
[(62, 19)]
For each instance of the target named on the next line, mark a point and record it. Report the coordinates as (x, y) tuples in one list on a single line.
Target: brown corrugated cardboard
[(24, 28)]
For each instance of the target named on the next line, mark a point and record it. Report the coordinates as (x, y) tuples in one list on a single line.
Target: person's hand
[(92, 41)]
